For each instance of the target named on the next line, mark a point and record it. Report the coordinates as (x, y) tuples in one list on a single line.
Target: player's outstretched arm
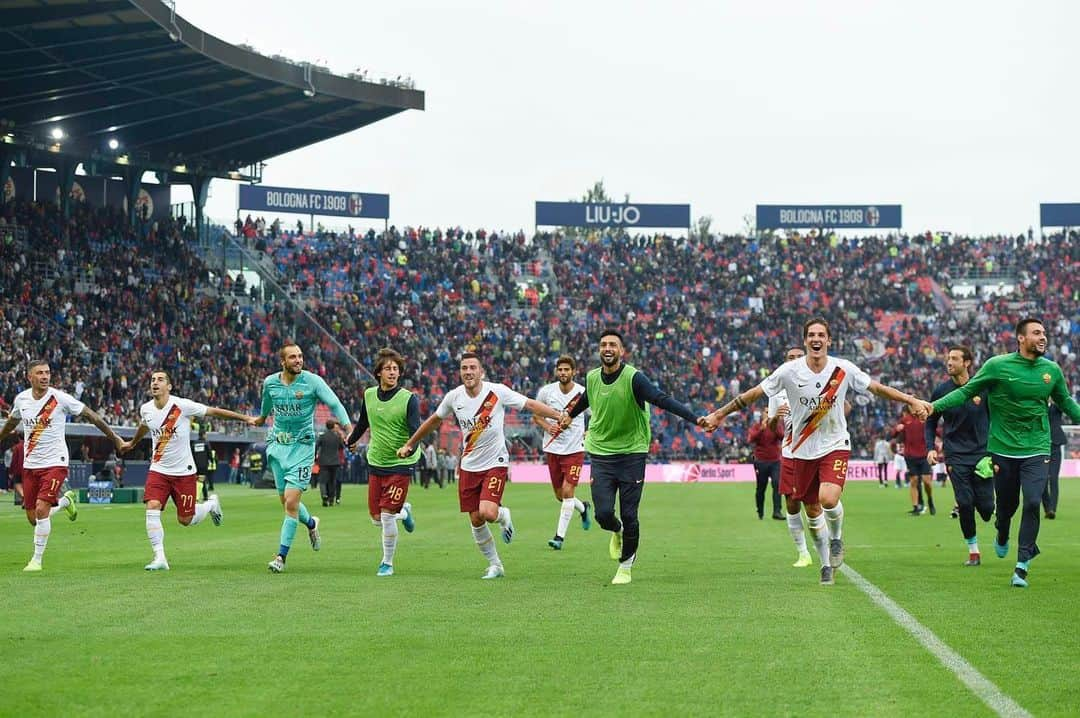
[(429, 425), (140, 433), (919, 408), (739, 403), (543, 410), (91, 415), (232, 415)]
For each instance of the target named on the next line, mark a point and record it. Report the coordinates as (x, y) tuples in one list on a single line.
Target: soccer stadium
[(312, 456)]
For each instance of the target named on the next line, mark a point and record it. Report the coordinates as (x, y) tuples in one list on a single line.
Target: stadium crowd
[(704, 317)]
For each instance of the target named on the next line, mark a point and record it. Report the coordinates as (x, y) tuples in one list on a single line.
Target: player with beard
[(618, 396), (816, 387), (963, 439), (1017, 386)]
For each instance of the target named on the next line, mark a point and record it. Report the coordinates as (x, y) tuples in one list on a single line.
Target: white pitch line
[(979, 684)]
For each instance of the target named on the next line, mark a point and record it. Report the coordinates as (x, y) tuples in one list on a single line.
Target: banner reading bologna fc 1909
[(582, 214), (830, 216), (323, 202)]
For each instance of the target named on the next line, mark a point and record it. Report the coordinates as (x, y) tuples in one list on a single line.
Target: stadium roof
[(169, 93)]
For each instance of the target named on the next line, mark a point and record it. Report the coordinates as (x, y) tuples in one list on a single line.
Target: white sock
[(155, 532), (42, 529), (400, 515), (486, 543), (798, 534), (63, 504), (972, 545), (201, 512), (566, 512), (579, 506), (821, 537), (628, 563), (835, 518), (504, 516), (389, 537)]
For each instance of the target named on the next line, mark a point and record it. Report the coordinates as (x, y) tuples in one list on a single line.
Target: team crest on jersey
[(299, 395), (976, 400), (1046, 378), (833, 382)]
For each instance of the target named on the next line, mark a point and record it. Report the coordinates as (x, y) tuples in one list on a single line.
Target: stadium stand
[(707, 317)]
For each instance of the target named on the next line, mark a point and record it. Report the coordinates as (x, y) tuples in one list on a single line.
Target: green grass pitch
[(716, 622)]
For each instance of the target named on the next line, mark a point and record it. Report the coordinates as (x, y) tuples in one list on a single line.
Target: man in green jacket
[(1017, 386), (618, 443)]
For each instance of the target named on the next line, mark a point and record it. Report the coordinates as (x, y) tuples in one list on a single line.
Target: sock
[(155, 532), (579, 505), (973, 545), (821, 537), (201, 512), (288, 533), (486, 543), (400, 515), (835, 519), (305, 516), (566, 512), (389, 537), (504, 516), (628, 563), (64, 503), (42, 529), (798, 535)]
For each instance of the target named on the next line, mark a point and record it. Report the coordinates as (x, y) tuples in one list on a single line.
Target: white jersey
[(170, 432), (43, 423), (818, 424), (775, 402), (483, 444), (572, 439)]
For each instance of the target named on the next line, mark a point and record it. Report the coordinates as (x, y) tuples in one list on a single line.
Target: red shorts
[(564, 469), (159, 487), (43, 485), (477, 486), (787, 477), (809, 474), (386, 493)]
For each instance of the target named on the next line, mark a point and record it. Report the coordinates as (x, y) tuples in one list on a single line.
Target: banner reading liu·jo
[(322, 202), (828, 216), (586, 214)]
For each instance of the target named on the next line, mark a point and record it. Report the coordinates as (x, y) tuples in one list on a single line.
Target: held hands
[(920, 409), (404, 451), (931, 457), (711, 422), (783, 411), (125, 446), (564, 420), (252, 421)]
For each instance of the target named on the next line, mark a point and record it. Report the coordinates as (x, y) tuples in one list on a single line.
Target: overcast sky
[(966, 113)]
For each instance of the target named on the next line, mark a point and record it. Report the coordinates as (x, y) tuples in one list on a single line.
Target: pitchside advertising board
[(321, 202), (584, 214), (1059, 215), (830, 216)]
